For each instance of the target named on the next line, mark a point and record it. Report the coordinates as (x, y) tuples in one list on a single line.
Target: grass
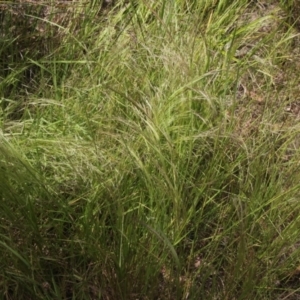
[(149, 150)]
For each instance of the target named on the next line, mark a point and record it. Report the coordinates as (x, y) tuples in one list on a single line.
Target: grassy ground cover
[(149, 150)]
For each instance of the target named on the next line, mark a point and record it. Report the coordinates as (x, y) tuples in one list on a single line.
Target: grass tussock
[(149, 150)]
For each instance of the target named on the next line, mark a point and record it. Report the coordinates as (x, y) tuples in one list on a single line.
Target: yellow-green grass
[(149, 150)]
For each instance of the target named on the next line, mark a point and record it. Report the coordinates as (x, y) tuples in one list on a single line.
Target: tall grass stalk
[(147, 152)]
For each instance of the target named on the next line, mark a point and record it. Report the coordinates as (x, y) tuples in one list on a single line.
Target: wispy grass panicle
[(149, 150)]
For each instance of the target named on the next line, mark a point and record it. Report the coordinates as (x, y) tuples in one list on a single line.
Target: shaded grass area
[(151, 154)]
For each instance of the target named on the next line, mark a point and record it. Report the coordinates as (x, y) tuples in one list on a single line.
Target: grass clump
[(153, 154)]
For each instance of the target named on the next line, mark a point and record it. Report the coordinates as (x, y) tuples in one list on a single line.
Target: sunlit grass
[(150, 153)]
